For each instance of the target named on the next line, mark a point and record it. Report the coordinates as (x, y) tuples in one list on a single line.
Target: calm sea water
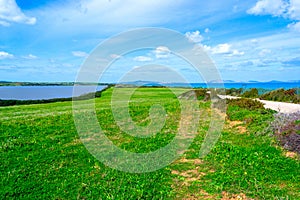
[(267, 86), (51, 92), (43, 92)]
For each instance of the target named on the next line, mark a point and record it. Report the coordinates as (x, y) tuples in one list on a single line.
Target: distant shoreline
[(271, 85), (7, 83)]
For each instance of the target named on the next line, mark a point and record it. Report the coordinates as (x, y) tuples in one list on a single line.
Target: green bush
[(282, 95), (251, 112), (201, 93), (246, 103), (257, 120), (253, 93), (234, 91)]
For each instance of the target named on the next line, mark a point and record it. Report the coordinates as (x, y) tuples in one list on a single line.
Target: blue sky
[(48, 40)]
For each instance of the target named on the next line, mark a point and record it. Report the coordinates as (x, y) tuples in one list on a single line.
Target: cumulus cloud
[(162, 52), (142, 59), (273, 7), (194, 36), (225, 49), (236, 52), (294, 9), (289, 9), (221, 49), (30, 57), (5, 55), (80, 54), (10, 12)]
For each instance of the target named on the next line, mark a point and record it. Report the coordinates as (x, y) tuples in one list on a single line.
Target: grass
[(42, 156)]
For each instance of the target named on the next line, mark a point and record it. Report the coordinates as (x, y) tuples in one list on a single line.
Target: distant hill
[(251, 81), (275, 81)]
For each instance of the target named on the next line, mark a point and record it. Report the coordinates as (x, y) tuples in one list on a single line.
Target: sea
[(258, 85), (43, 92), (245, 86)]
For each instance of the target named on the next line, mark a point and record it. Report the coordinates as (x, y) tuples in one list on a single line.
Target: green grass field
[(42, 156)]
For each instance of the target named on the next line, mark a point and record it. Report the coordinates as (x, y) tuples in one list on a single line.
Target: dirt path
[(281, 107)]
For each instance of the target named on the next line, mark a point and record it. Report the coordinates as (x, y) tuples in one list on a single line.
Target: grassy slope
[(42, 157)]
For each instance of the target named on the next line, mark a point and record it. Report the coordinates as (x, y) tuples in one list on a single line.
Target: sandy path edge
[(281, 107)]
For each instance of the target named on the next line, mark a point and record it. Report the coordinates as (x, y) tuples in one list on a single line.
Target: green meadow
[(42, 156)]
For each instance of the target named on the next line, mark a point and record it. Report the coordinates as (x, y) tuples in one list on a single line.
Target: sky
[(49, 40)]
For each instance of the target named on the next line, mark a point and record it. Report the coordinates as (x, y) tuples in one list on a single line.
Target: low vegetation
[(291, 95), (282, 95), (246, 103), (250, 112), (286, 128), (42, 156), (253, 93), (234, 91)]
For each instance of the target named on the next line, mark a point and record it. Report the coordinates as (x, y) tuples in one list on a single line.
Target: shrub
[(256, 119), (253, 93), (246, 103), (290, 95), (234, 91), (286, 128), (201, 94), (285, 124)]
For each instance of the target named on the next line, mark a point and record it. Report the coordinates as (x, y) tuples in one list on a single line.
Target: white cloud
[(142, 59), (294, 26), (162, 52), (5, 55), (194, 36), (206, 48), (3, 23), (136, 67), (281, 8), (207, 30), (294, 9), (10, 12), (221, 49), (273, 7), (236, 53), (225, 49), (30, 57), (254, 41), (115, 56), (80, 54), (264, 52)]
